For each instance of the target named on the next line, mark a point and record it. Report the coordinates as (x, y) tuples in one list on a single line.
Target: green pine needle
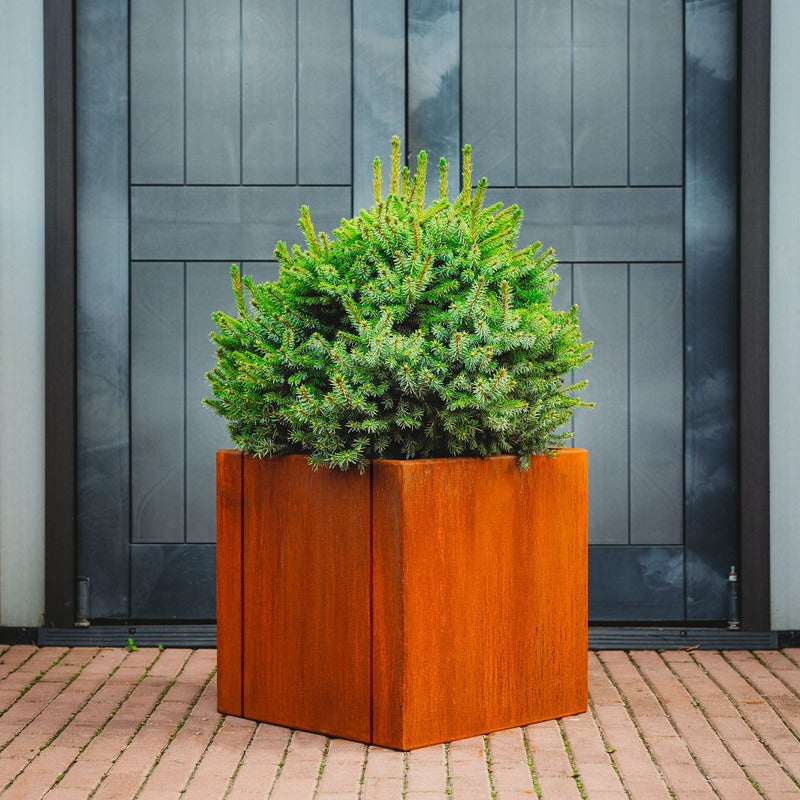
[(409, 332)]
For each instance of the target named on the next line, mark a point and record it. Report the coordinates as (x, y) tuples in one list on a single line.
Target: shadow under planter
[(419, 602)]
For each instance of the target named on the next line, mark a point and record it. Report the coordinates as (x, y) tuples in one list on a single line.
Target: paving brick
[(593, 763), (14, 657), (639, 774), (179, 760), (469, 772), (382, 787), (793, 654), (10, 768), (766, 723), (383, 774), (700, 737), (382, 761), (510, 772), (554, 787), (128, 768), (548, 753), (260, 762), (221, 759), (771, 688), (467, 749), (721, 711), (469, 788), (298, 777), (343, 768), (33, 783), (667, 748), (426, 770), (59, 711)]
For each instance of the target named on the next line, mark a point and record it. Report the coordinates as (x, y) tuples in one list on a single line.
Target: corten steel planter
[(419, 602)]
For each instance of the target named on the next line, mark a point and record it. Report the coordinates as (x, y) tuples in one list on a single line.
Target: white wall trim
[(784, 330), (21, 313)]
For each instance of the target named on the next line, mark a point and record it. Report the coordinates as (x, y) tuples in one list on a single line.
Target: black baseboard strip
[(10, 635), (194, 636), (680, 639), (788, 639), (600, 638)]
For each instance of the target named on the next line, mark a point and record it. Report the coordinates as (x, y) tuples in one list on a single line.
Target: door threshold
[(162, 635), (600, 638), (676, 638)]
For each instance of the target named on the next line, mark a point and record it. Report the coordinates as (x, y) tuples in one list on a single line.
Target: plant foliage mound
[(413, 331)]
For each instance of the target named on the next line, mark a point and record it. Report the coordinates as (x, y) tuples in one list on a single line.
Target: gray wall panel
[(157, 402), (156, 66), (269, 91), (379, 88), (434, 79), (102, 301), (173, 582), (488, 82), (562, 300), (213, 80), (324, 92), (601, 292), (656, 92), (600, 102), (221, 223), (636, 584), (656, 397), (602, 224), (208, 289), (544, 93), (710, 317)]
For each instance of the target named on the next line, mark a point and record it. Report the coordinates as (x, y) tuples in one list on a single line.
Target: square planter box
[(419, 602)]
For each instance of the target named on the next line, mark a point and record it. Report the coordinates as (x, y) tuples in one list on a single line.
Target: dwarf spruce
[(412, 331)]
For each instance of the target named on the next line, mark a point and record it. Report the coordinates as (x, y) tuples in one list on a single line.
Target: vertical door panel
[(324, 90), (656, 403), (544, 93), (600, 99), (563, 300), (601, 292), (103, 446), (157, 91), (487, 94), (158, 388), (379, 88), (656, 92), (710, 309), (434, 79), (213, 83), (636, 583), (172, 582), (269, 96)]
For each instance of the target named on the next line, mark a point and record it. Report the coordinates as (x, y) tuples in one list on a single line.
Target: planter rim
[(558, 452)]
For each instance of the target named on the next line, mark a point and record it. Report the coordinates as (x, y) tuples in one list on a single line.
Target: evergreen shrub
[(413, 331)]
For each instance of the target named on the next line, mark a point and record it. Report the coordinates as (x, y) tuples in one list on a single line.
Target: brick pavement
[(110, 724)]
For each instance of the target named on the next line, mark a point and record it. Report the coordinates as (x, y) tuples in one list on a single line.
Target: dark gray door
[(204, 124), (612, 123)]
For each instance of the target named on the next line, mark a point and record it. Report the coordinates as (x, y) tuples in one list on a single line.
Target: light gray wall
[(21, 320), (784, 330)]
